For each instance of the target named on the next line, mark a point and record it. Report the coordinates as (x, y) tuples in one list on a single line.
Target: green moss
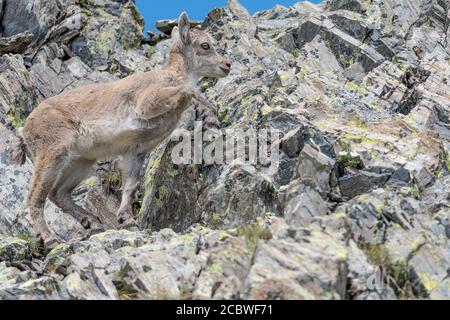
[(444, 157), (303, 72), (35, 247), (112, 181), (349, 161), (388, 29), (14, 118), (90, 182), (150, 52), (346, 147), (105, 40), (163, 192), (416, 191), (404, 68), (360, 90), (398, 271), (254, 233), (126, 291), (205, 85), (216, 218), (223, 115)]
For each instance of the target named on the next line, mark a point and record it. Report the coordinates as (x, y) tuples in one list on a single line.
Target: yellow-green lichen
[(14, 118)]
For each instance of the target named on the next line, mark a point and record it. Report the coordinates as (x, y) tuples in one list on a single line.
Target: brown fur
[(68, 133)]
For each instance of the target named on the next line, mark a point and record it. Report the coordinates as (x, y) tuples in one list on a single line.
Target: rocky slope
[(358, 208)]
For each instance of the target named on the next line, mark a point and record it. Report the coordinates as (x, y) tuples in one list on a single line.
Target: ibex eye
[(205, 46)]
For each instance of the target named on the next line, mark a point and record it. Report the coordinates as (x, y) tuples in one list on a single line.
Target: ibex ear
[(184, 26), (175, 32)]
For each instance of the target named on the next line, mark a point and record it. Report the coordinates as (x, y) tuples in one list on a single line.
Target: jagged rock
[(361, 182), (355, 72), (302, 204), (166, 265), (300, 274), (365, 279), (15, 44), (343, 45), (166, 26), (18, 17), (316, 169), (170, 193), (279, 17), (407, 241), (25, 285), (106, 29), (51, 74), (293, 142), (238, 196), (200, 264)]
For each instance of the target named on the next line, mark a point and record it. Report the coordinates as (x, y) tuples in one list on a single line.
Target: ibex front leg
[(131, 167)]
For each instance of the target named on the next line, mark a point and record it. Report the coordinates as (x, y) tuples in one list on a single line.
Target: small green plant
[(35, 247), (113, 181), (350, 160), (14, 118), (398, 271), (416, 191), (255, 232), (125, 290), (150, 52)]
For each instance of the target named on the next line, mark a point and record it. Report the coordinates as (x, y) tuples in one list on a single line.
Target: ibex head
[(198, 51)]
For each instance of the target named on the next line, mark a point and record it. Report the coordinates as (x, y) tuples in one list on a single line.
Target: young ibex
[(68, 133)]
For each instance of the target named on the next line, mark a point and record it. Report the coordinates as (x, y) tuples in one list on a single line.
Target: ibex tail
[(18, 150)]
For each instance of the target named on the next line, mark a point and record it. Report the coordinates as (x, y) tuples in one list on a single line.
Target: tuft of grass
[(398, 271), (125, 290), (14, 118), (349, 161), (416, 191), (253, 233), (36, 249)]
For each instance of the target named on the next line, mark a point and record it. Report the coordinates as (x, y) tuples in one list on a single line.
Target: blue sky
[(197, 9)]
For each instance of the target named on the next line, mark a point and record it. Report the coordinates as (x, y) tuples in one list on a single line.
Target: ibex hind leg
[(131, 167), (46, 171), (74, 172)]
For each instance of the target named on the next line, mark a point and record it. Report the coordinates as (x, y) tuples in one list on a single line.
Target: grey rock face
[(361, 182), (358, 207), (18, 17), (166, 26), (17, 98), (15, 44)]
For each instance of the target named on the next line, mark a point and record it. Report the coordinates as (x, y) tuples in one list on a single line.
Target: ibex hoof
[(51, 242), (129, 224), (47, 241), (86, 223)]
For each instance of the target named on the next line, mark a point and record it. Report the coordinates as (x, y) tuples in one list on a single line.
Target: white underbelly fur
[(111, 137)]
